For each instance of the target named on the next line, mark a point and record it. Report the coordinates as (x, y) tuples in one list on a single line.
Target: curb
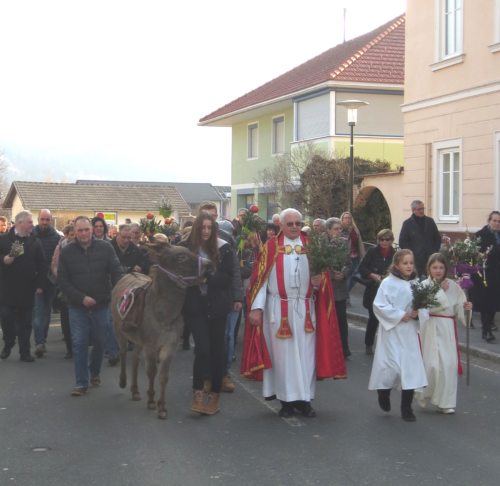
[(358, 319)]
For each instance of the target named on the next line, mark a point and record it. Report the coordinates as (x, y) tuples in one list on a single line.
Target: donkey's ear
[(153, 251)]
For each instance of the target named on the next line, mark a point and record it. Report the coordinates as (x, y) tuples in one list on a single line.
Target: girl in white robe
[(398, 360), (438, 328)]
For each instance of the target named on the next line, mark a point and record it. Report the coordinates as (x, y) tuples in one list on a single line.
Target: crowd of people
[(264, 284)]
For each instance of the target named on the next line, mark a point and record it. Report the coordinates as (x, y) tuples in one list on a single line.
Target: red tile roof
[(376, 57)]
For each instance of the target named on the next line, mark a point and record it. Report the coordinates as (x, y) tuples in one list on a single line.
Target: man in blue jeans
[(88, 269)]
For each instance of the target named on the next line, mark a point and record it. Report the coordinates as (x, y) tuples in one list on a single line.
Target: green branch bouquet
[(424, 295)]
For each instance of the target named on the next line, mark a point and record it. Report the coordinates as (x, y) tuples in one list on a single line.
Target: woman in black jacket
[(373, 268), (486, 297), (205, 310)]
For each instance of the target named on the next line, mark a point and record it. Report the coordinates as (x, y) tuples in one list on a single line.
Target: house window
[(253, 141), (278, 135), (497, 159), (450, 33), (495, 47), (452, 28), (448, 190), (249, 200), (312, 118)]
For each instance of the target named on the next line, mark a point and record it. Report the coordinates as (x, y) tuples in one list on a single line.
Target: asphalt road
[(106, 439)]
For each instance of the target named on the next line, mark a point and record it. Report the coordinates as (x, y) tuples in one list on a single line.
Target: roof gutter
[(303, 92)]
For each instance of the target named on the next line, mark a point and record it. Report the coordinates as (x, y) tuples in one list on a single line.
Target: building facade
[(452, 111), (300, 108)]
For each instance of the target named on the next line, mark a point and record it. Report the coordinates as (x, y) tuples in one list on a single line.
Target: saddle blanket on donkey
[(131, 292)]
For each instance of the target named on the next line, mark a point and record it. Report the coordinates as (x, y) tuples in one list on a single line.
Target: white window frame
[(495, 47), (275, 121), (250, 131), (444, 59), (496, 155), (439, 149)]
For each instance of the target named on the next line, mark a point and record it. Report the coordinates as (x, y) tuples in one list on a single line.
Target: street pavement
[(48, 438), (358, 315)]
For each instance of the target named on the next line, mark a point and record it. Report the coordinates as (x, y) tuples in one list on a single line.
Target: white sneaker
[(447, 410)]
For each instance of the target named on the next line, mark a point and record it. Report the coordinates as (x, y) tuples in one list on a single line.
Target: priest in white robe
[(284, 307)]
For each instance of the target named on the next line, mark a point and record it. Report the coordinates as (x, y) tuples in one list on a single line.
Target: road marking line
[(292, 421)]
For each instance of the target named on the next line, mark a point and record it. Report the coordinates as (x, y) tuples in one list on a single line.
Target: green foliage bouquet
[(17, 249), (424, 295), (165, 208), (251, 227), (326, 254)]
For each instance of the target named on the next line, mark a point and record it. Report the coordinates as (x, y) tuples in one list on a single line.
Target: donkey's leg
[(134, 388), (122, 343), (151, 372), (165, 357)]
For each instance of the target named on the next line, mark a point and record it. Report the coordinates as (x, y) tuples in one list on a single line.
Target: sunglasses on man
[(298, 224)]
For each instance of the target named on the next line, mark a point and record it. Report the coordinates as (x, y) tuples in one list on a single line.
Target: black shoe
[(494, 328), (407, 415), (5, 352), (488, 337), (384, 400), (286, 410), (113, 361), (27, 358), (305, 408), (347, 353)]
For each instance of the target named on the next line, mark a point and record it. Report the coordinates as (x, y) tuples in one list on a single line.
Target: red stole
[(329, 357)]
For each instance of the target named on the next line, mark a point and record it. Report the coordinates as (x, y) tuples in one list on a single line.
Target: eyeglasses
[(385, 239), (298, 224)]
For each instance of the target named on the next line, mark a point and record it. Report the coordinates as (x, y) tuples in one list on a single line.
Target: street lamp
[(352, 118)]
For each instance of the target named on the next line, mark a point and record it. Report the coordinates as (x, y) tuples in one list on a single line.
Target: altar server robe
[(397, 362)]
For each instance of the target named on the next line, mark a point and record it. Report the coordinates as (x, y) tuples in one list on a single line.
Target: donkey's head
[(180, 265)]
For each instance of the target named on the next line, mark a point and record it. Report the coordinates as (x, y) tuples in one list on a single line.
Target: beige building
[(452, 112)]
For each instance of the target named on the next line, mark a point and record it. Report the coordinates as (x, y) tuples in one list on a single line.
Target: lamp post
[(352, 118)]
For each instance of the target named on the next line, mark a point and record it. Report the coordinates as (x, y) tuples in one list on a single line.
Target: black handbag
[(363, 281)]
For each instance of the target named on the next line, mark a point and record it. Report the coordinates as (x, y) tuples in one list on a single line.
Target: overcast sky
[(114, 89)]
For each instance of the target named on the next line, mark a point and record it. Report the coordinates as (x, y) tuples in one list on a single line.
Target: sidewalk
[(358, 315)]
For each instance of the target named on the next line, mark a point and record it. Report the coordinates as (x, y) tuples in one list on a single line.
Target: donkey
[(174, 269)]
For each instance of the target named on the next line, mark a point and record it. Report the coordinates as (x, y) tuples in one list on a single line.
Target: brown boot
[(228, 385), (212, 404), (197, 404)]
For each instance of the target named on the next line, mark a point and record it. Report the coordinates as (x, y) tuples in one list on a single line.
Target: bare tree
[(283, 179), (4, 183)]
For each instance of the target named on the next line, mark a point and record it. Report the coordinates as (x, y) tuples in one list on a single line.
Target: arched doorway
[(371, 213)]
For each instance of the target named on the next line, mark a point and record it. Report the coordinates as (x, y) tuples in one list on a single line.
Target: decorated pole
[(468, 320)]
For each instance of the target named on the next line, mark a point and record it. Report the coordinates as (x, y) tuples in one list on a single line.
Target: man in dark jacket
[(419, 234), (132, 259), (49, 238), (23, 272), (88, 269)]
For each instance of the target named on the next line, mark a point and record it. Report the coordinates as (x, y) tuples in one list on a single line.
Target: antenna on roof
[(345, 10)]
